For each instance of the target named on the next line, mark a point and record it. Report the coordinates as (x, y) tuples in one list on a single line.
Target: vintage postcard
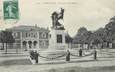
[(57, 36)]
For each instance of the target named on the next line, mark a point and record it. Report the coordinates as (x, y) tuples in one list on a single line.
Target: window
[(46, 35), (59, 38), (46, 43), (26, 34), (40, 35), (35, 35), (23, 34), (43, 35), (50, 35), (14, 34), (18, 35), (31, 34), (40, 43)]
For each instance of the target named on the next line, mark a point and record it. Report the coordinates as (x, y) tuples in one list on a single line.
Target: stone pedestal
[(57, 45), (57, 40)]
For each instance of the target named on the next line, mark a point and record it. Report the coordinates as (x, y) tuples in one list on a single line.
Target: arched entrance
[(25, 45), (30, 44), (35, 44)]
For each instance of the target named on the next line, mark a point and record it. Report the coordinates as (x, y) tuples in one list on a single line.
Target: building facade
[(30, 37)]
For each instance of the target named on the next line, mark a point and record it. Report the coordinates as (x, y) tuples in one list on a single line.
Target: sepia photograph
[(57, 36)]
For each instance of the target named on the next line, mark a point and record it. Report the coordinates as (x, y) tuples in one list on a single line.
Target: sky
[(91, 14)]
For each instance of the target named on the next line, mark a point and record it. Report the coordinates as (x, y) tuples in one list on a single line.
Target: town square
[(51, 37)]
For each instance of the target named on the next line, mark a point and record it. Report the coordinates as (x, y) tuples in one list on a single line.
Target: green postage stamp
[(10, 9)]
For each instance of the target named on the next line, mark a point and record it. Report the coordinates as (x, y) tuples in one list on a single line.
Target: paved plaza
[(13, 62)]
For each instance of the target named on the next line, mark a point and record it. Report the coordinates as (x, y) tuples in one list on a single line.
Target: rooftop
[(28, 28)]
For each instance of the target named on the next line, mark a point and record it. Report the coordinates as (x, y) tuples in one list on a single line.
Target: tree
[(82, 37), (1, 41), (110, 27), (102, 35), (6, 37), (99, 36), (79, 37), (110, 30)]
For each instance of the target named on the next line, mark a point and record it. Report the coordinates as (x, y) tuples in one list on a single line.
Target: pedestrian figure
[(80, 52), (95, 54), (36, 56), (32, 54), (68, 56)]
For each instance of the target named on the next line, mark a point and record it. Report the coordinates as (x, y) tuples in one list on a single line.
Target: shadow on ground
[(80, 69), (15, 62), (78, 61), (28, 62)]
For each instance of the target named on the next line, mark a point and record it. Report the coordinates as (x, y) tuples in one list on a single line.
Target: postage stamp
[(10, 10)]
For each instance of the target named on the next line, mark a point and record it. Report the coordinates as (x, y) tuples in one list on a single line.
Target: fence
[(67, 56)]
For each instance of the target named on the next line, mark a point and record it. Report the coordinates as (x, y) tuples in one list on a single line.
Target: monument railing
[(52, 58), (66, 55), (84, 55)]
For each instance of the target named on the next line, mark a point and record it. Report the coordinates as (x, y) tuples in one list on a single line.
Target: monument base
[(57, 40), (57, 46)]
